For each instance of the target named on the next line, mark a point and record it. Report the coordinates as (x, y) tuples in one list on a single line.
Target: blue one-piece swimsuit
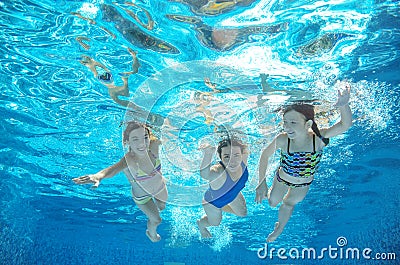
[(228, 192)]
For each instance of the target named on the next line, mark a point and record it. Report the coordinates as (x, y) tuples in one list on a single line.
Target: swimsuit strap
[(155, 158), (243, 166), (157, 167), (226, 171), (314, 142)]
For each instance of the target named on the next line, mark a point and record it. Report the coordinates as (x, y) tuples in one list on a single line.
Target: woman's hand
[(86, 179)]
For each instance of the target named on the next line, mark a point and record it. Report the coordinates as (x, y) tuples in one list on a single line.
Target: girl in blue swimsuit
[(301, 146), (227, 179), (142, 167)]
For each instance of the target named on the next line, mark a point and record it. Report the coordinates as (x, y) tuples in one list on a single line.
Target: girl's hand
[(207, 148), (86, 179), (343, 94), (261, 192)]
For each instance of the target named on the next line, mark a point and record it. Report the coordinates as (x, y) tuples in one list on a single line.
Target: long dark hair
[(308, 111), (230, 142)]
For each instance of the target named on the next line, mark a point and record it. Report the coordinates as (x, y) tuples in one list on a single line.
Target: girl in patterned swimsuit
[(142, 167), (301, 146)]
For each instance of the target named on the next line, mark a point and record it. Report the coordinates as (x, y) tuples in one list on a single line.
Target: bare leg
[(227, 209), (294, 196), (237, 206), (276, 193), (275, 196), (213, 217), (161, 198), (151, 211)]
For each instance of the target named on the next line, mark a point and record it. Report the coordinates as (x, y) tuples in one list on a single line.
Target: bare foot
[(151, 232), (274, 235), (203, 230), (154, 238)]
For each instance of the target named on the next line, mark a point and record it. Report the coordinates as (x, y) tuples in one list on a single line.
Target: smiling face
[(232, 157), (139, 141), (295, 124)]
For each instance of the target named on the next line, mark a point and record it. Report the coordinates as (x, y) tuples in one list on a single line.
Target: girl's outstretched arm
[(205, 167), (108, 172), (345, 112), (262, 188)]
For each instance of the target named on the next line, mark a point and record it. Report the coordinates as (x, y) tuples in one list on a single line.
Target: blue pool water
[(58, 122)]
